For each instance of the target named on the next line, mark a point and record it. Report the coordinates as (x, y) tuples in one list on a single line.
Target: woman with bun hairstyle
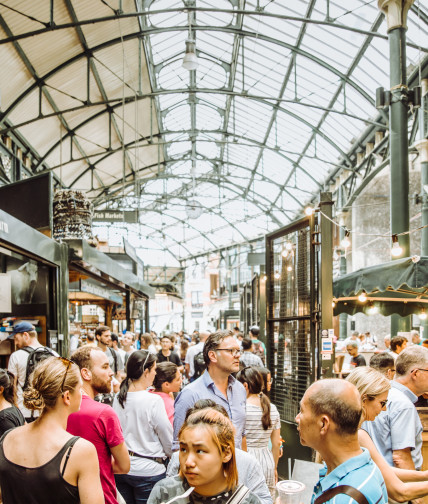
[(207, 463), (167, 381), (261, 425), (146, 428), (10, 415), (40, 463)]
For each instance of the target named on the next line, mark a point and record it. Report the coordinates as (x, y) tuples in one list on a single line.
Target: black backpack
[(35, 357), (199, 364), (113, 352)]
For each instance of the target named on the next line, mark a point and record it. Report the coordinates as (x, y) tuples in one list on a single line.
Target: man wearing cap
[(25, 336)]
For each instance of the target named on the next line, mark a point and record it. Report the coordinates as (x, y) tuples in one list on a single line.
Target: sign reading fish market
[(115, 216)]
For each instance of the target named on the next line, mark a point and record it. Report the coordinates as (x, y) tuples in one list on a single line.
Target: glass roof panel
[(280, 94)]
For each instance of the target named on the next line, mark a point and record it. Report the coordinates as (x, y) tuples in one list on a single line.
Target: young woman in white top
[(146, 428), (262, 425)]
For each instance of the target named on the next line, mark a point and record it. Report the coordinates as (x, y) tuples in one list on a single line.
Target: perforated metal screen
[(291, 295)]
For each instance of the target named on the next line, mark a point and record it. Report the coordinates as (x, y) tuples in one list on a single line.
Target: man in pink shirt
[(98, 423)]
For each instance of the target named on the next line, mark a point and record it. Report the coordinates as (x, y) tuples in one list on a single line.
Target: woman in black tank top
[(40, 463)]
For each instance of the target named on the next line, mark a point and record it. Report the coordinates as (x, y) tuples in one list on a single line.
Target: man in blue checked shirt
[(328, 421), (221, 355)]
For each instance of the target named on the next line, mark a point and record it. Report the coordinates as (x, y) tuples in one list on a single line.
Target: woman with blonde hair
[(402, 484), (207, 464), (40, 462)]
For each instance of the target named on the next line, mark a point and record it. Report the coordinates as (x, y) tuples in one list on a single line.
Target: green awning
[(399, 286)]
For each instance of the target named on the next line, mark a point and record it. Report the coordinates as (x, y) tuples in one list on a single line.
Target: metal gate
[(292, 293)]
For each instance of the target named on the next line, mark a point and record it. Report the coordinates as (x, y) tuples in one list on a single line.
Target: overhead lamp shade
[(190, 60)]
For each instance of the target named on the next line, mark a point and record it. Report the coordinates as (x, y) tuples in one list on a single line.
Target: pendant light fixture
[(190, 60)]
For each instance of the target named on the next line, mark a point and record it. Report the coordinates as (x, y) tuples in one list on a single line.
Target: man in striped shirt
[(328, 421)]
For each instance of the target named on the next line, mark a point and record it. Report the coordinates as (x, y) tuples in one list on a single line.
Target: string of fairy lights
[(396, 251)]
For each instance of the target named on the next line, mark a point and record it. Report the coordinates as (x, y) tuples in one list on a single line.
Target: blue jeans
[(136, 489)]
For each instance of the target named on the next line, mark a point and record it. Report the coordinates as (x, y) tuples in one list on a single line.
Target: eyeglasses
[(420, 369), (234, 352), (68, 363), (384, 403)]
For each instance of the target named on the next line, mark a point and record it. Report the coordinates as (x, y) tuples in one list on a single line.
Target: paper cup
[(289, 491)]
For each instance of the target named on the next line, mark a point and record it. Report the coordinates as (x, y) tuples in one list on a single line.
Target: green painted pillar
[(422, 146), (396, 14)]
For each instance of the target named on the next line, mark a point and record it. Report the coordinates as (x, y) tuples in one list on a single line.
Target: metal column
[(396, 14), (422, 146), (326, 277)]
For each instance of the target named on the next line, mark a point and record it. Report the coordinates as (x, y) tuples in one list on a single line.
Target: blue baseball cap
[(22, 327)]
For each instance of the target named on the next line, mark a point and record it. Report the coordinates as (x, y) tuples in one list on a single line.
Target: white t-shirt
[(18, 366), (146, 429), (190, 355)]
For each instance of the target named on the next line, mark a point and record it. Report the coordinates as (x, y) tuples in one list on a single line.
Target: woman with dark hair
[(208, 471), (167, 381), (146, 428), (10, 415), (41, 462), (267, 379), (262, 424), (147, 343)]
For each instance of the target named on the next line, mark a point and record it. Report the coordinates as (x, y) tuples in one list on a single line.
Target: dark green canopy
[(399, 286)]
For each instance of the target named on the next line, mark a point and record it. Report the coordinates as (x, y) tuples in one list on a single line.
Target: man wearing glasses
[(221, 355), (397, 432)]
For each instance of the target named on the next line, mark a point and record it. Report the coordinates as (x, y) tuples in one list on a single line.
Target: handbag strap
[(342, 489), (239, 495)]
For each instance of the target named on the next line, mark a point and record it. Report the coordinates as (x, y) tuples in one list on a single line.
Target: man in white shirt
[(25, 336), (192, 351)]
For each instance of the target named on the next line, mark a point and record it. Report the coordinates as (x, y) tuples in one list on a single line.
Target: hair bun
[(33, 399)]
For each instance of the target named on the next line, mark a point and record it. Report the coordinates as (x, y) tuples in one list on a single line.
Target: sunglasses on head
[(68, 363)]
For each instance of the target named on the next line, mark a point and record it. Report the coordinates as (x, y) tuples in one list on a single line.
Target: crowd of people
[(115, 424)]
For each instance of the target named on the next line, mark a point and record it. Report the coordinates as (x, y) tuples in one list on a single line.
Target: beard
[(100, 386)]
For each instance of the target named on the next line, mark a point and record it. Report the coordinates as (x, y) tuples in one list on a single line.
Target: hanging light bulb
[(309, 211), (285, 253), (333, 304), (346, 242), (289, 268), (277, 275), (289, 246), (396, 250), (372, 310), (362, 298), (190, 60), (422, 314)]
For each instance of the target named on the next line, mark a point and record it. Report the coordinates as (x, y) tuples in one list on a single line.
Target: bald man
[(328, 421)]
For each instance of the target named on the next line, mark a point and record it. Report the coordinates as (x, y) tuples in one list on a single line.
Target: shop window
[(197, 299)]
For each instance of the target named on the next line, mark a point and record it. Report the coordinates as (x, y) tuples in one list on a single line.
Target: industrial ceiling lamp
[(190, 60)]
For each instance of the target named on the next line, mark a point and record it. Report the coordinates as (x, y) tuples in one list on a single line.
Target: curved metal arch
[(157, 241), (97, 201), (133, 143), (153, 31), (209, 210), (256, 144), (100, 113)]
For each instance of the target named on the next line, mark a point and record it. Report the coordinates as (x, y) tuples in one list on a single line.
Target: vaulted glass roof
[(96, 92)]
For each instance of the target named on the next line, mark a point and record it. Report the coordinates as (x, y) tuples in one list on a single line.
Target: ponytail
[(7, 381), (123, 392), (254, 380), (138, 362), (265, 404)]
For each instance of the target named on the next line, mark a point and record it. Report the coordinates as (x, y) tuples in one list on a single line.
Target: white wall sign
[(5, 293)]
